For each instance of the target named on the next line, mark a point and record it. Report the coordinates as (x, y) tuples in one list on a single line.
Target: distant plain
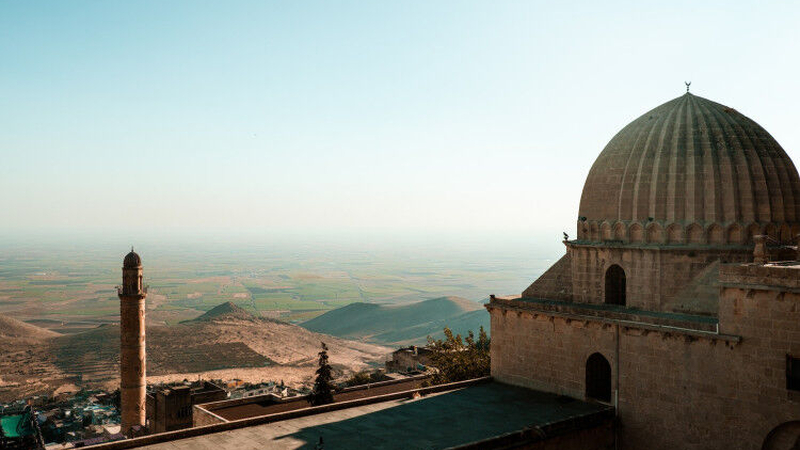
[(68, 286), (408, 289)]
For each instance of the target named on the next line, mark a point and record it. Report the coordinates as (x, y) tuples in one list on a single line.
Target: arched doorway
[(785, 436), (598, 378), (615, 286)]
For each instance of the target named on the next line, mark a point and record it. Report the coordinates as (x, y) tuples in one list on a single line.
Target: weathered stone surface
[(676, 390), (698, 352), (556, 283), (691, 171), (657, 277), (133, 384), (473, 414)]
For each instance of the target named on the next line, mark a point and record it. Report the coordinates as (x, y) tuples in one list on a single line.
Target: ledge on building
[(658, 246), (778, 275), (689, 324)]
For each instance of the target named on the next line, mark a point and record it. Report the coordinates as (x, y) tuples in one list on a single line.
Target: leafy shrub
[(458, 358)]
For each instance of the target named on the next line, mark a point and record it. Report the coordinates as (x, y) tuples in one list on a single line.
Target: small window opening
[(615, 285), (792, 373)]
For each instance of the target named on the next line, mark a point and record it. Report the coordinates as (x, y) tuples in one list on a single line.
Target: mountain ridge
[(401, 324)]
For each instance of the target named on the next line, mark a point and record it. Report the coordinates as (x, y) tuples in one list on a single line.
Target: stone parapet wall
[(701, 326), (784, 276), (301, 401), (202, 417)]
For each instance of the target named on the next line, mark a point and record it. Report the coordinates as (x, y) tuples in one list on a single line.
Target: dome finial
[(687, 83)]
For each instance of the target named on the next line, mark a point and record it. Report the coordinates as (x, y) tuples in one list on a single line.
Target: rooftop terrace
[(476, 414), (263, 405)]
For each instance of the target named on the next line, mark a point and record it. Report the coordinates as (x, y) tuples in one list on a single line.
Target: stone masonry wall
[(654, 276), (201, 417), (543, 353), (597, 438), (555, 283), (675, 390)]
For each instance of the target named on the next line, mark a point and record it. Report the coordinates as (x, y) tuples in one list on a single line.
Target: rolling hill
[(13, 329), (224, 311), (401, 324), (226, 342)]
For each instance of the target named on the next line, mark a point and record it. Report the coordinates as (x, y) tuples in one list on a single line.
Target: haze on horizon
[(152, 118)]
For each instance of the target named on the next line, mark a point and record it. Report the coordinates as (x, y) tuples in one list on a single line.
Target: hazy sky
[(430, 116)]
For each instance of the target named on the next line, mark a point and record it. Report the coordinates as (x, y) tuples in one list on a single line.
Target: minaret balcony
[(122, 290)]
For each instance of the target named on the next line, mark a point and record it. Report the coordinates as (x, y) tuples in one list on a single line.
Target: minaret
[(133, 382)]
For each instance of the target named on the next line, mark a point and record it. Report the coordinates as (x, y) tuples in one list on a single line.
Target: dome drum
[(657, 232)]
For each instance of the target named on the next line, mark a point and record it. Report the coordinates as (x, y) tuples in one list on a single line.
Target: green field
[(75, 283)]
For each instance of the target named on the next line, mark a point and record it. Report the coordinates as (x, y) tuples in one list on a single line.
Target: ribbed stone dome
[(695, 163)]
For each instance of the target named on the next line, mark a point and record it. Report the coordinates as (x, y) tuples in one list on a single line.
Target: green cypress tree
[(323, 386)]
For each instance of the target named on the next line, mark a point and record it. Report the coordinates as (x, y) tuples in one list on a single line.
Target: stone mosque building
[(679, 301), (672, 321)]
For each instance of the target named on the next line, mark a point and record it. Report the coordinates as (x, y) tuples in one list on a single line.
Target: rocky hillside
[(225, 311), (225, 342), (401, 324), (17, 330)]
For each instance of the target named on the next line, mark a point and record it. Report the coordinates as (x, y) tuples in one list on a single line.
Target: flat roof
[(235, 409), (434, 421)]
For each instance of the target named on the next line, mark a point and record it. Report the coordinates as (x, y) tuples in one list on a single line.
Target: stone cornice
[(699, 328), (658, 246)]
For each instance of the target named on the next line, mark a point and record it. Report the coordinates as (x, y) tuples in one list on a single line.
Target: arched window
[(598, 378), (615, 285), (783, 437)]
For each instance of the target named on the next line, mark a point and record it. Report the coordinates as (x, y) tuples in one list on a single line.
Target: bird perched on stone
[(566, 236)]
